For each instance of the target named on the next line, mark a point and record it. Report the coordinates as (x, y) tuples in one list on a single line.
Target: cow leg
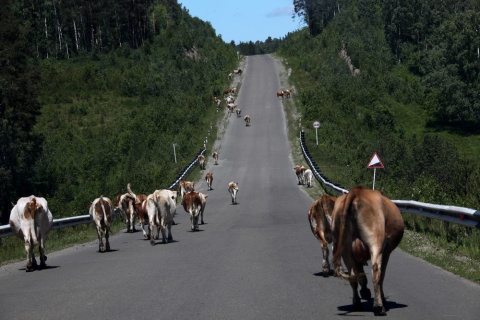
[(378, 308), (30, 257), (150, 228), (192, 221), (101, 246), (164, 234), (132, 222), (169, 228), (325, 263), (107, 243), (41, 249)]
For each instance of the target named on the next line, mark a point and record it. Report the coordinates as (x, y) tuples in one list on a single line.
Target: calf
[(320, 219), (161, 208), (209, 179), (193, 204), (247, 120), (31, 220), (238, 111), (280, 94), (366, 226), (287, 92), (233, 189), (201, 161), (101, 211), (215, 157)]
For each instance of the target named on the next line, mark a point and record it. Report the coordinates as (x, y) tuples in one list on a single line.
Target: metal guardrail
[(5, 230), (459, 215)]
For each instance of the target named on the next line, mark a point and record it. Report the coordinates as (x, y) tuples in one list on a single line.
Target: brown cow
[(366, 226), (209, 179), (140, 207), (193, 204), (215, 157), (320, 219), (186, 186), (201, 161), (280, 94), (101, 211)]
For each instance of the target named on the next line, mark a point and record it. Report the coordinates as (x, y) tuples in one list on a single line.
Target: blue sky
[(246, 20)]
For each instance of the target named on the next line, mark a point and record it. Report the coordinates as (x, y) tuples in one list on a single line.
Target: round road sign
[(316, 124)]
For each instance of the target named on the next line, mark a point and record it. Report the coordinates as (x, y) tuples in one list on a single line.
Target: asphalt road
[(254, 260)]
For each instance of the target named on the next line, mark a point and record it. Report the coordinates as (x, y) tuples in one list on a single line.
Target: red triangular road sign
[(375, 162)]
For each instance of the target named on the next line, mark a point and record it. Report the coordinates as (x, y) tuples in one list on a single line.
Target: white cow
[(233, 189), (101, 211), (161, 208), (247, 120), (308, 177), (31, 220)]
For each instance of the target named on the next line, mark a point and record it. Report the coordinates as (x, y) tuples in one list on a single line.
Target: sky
[(246, 20)]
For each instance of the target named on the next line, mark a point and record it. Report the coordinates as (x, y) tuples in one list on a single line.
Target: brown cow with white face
[(366, 226), (186, 186), (101, 211), (280, 94), (31, 220), (320, 219), (209, 179), (215, 157), (193, 204)]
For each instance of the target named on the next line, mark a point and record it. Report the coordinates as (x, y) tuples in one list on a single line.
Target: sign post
[(316, 125), (174, 153), (375, 163)]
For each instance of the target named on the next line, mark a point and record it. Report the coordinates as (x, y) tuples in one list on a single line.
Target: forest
[(93, 95), (100, 88)]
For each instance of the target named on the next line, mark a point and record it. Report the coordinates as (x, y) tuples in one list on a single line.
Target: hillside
[(107, 112)]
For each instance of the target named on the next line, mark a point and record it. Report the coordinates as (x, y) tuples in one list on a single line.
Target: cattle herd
[(361, 225)]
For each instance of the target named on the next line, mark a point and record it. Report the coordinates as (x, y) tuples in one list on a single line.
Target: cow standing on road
[(101, 211), (31, 220)]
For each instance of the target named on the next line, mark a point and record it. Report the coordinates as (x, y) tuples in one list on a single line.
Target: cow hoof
[(365, 293), (326, 273), (170, 239), (379, 311), (43, 265), (152, 242)]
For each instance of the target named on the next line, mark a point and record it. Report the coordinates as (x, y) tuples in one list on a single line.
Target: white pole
[(174, 153), (374, 171), (316, 135)]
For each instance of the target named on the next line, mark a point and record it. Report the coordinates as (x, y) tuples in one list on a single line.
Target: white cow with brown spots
[(31, 220), (233, 190), (215, 157), (101, 211), (247, 120)]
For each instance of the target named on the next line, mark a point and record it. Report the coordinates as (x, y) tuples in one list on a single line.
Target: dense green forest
[(93, 94), (400, 78)]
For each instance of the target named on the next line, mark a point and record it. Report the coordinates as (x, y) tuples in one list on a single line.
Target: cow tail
[(131, 193), (103, 210), (339, 236)]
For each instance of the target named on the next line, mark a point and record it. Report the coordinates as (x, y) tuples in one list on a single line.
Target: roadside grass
[(12, 249), (455, 249)]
